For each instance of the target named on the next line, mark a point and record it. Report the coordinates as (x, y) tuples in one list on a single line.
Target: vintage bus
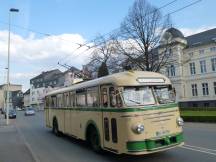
[(132, 112)]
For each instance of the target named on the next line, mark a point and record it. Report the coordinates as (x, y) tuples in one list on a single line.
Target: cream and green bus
[(131, 112)]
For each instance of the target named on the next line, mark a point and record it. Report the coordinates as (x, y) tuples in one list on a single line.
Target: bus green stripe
[(154, 144), (173, 105)]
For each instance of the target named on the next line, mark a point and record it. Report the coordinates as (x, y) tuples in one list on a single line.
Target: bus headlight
[(138, 128), (180, 121)]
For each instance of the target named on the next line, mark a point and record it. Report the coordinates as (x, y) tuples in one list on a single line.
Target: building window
[(213, 61), (192, 68), (212, 49), (171, 70), (168, 52), (168, 71), (205, 89), (203, 66), (215, 88), (194, 90), (201, 51), (190, 54), (206, 104)]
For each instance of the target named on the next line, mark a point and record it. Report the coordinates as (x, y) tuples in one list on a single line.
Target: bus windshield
[(164, 94), (137, 96)]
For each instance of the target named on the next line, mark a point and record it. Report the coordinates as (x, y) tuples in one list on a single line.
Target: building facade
[(26, 98), (193, 73), (48, 81), (15, 96), (42, 84)]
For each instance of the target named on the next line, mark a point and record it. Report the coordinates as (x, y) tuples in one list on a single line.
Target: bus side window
[(53, 102), (59, 100), (104, 97), (67, 104), (47, 102), (112, 97), (118, 99), (71, 99)]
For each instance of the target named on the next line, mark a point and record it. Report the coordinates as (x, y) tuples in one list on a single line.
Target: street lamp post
[(8, 65)]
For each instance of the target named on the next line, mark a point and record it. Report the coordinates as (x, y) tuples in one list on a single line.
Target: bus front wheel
[(94, 140)]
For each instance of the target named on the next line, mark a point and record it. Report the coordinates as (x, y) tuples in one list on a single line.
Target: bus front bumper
[(154, 145)]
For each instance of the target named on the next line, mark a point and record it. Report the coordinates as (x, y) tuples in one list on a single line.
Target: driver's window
[(104, 97), (112, 96), (118, 99)]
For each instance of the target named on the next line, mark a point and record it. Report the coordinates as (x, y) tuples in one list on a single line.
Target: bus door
[(108, 103)]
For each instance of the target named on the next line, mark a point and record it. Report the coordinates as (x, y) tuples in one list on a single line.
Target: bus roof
[(127, 78)]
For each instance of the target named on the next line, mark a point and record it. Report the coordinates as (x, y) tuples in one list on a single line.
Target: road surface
[(200, 145)]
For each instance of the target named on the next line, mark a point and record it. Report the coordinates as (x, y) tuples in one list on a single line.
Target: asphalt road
[(200, 145)]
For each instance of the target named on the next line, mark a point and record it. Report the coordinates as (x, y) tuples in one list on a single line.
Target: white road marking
[(203, 151), (211, 150)]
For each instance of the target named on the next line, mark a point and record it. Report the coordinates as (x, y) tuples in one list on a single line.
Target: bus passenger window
[(72, 98), (112, 97), (47, 102), (53, 102), (104, 97)]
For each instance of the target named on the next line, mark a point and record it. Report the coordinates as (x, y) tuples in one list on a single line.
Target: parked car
[(29, 111), (11, 114), (2, 111), (18, 109)]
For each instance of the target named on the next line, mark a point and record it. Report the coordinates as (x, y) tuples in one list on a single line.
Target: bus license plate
[(162, 133)]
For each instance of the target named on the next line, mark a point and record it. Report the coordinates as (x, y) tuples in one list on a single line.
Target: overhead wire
[(104, 35), (109, 33)]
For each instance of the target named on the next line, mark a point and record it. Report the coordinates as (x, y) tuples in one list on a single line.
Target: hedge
[(199, 118), (198, 108)]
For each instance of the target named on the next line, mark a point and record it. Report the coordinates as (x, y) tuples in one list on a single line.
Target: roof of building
[(175, 33), (205, 37), (27, 92), (10, 85), (47, 72)]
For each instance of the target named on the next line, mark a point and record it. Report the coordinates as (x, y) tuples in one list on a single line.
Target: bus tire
[(55, 128), (93, 139)]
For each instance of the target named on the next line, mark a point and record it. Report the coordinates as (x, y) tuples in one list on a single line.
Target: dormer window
[(212, 49), (201, 51)]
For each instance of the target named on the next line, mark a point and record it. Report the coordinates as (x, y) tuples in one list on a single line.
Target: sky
[(49, 31)]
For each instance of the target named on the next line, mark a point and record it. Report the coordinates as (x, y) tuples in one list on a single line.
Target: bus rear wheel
[(55, 128), (94, 140)]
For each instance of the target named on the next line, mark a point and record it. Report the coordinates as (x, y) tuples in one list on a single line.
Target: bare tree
[(104, 54), (140, 35)]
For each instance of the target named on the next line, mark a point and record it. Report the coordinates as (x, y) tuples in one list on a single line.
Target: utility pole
[(8, 66)]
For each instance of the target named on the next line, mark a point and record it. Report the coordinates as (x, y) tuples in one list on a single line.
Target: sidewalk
[(12, 145)]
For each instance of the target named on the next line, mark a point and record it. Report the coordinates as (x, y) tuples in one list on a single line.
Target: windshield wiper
[(134, 101)]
